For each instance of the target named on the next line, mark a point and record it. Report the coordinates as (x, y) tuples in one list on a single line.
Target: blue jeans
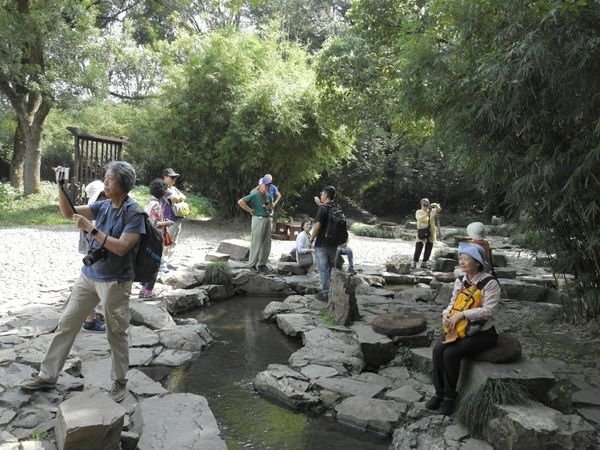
[(348, 252), (325, 261)]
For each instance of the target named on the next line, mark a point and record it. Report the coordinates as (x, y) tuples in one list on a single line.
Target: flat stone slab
[(348, 386), (294, 324), (216, 256), (379, 416), (238, 249), (182, 421), (405, 394)]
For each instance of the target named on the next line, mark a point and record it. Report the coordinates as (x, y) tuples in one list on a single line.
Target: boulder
[(417, 294), (401, 323), (377, 349), (506, 272), (535, 378), (192, 338), (342, 298), (348, 386), (422, 339), (397, 267), (519, 290), (445, 264), (444, 294), (150, 315), (217, 292), (253, 283), (183, 280), (506, 350), (181, 300), (303, 284), (141, 385), (285, 385), (89, 420), (238, 249), (537, 426)]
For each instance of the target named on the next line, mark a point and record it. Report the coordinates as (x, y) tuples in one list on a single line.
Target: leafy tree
[(240, 107), (46, 53)]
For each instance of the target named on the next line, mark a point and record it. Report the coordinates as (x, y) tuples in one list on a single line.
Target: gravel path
[(40, 263)]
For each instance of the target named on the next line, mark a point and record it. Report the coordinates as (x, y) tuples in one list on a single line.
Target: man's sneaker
[(319, 296), (425, 265), (447, 407), (118, 391), (413, 265), (434, 402), (36, 383), (351, 270), (263, 268), (94, 325)]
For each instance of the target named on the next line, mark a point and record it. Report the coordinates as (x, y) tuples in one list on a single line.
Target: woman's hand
[(451, 321), (82, 223)]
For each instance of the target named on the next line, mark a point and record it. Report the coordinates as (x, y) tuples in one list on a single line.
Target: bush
[(361, 229), (476, 407), (218, 272)]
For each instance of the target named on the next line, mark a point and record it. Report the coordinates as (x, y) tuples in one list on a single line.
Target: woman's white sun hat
[(476, 230), (93, 190)]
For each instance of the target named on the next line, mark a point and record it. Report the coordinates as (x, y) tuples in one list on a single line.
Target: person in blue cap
[(471, 309)]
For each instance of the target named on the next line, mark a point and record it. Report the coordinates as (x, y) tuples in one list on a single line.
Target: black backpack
[(336, 232), (150, 248)]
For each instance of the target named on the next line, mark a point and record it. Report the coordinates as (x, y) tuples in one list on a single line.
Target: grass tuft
[(477, 406), (218, 272)]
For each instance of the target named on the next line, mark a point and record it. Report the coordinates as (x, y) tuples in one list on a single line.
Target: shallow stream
[(223, 374)]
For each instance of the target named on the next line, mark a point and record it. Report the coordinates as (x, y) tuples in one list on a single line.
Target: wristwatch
[(93, 231)]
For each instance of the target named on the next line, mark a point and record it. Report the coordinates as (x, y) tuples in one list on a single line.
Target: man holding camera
[(426, 231), (259, 204), (106, 277)]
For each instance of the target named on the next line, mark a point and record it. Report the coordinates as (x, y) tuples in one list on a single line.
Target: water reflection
[(224, 374)]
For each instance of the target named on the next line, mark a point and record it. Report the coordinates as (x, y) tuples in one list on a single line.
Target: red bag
[(167, 239)]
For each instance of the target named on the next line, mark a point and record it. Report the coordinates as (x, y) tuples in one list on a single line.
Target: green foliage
[(361, 229), (477, 405), (35, 209), (199, 206), (326, 318), (240, 106), (218, 272)]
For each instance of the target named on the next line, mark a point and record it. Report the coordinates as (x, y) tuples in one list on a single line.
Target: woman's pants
[(447, 359), (419, 248)]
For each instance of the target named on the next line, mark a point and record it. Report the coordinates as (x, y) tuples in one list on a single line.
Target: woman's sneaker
[(94, 325)]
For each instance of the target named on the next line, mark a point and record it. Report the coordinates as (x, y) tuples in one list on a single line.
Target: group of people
[(467, 321)]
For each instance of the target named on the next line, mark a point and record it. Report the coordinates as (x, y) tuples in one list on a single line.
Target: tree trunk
[(16, 163), (33, 160)]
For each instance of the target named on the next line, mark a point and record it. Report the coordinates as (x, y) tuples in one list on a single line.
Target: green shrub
[(361, 229), (326, 318), (476, 407), (218, 272)]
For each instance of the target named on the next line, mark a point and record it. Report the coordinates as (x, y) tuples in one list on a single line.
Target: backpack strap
[(483, 283)]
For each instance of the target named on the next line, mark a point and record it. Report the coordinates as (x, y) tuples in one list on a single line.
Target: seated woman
[(468, 325), (303, 246)]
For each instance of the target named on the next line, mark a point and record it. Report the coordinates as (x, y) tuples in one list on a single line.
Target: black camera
[(94, 256)]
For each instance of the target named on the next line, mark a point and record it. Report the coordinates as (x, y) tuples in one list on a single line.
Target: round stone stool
[(401, 323)]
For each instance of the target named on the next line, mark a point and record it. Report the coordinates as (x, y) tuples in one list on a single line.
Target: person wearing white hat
[(476, 233), (474, 300)]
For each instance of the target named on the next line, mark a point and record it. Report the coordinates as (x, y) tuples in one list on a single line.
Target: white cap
[(93, 190), (476, 230)]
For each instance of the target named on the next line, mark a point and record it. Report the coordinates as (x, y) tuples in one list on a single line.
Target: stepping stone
[(401, 323), (216, 256)]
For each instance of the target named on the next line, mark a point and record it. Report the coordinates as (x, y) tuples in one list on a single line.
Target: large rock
[(181, 300), (217, 292), (424, 434), (192, 338), (238, 249), (445, 264), (150, 315), (294, 324), (328, 348), (377, 349), (519, 290), (506, 350), (535, 378), (183, 280), (401, 323), (342, 298), (291, 268), (397, 267), (370, 414), (537, 426), (285, 385), (253, 283), (303, 284), (349, 386), (176, 421), (444, 294), (417, 295), (141, 385), (89, 420)]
